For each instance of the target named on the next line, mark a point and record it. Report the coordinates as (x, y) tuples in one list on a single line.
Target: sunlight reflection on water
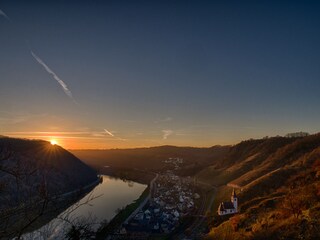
[(113, 194)]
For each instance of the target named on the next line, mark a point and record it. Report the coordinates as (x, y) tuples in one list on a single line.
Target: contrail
[(3, 14), (112, 135), (109, 133), (61, 82)]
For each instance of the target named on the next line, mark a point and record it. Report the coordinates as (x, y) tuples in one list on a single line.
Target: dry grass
[(223, 193)]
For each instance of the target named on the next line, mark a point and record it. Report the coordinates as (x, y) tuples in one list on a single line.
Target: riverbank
[(108, 198), (151, 190), (125, 214), (81, 189), (33, 216), (121, 216), (128, 174)]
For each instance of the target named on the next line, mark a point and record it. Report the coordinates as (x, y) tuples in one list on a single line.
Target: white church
[(226, 208)]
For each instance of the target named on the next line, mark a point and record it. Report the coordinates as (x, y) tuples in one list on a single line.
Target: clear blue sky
[(146, 73)]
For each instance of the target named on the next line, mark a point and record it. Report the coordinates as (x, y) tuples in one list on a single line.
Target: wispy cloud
[(67, 134), (40, 135), (4, 15), (10, 118), (62, 135), (53, 133), (167, 119), (166, 133), (109, 133), (59, 80), (15, 120)]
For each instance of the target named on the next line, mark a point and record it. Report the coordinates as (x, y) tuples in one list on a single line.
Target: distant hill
[(29, 168), (152, 159)]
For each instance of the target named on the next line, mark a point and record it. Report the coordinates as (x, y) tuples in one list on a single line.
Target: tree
[(82, 229), (293, 203)]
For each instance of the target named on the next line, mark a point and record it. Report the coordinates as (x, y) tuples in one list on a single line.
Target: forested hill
[(253, 161), (30, 168), (278, 184)]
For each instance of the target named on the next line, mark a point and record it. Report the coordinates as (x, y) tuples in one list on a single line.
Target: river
[(109, 196)]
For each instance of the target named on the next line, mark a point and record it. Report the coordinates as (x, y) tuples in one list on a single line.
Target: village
[(171, 198)]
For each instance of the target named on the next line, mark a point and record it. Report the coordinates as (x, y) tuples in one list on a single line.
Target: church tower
[(234, 200)]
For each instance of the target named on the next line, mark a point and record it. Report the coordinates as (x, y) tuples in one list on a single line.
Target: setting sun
[(53, 142)]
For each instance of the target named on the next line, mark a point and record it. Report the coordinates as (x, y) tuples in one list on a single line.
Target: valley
[(274, 178), (262, 171)]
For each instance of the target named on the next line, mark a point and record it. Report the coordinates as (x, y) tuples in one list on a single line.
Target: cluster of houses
[(171, 199), (175, 163)]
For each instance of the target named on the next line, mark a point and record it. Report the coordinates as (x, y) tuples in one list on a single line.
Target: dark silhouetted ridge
[(32, 167)]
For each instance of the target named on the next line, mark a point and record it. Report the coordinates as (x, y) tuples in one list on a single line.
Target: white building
[(226, 208)]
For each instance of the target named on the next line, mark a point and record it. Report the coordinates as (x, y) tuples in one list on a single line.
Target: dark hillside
[(152, 159), (28, 167), (278, 182)]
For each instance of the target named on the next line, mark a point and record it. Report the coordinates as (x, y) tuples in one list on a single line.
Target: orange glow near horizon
[(96, 140)]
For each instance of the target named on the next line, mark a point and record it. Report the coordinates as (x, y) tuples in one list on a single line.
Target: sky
[(124, 74)]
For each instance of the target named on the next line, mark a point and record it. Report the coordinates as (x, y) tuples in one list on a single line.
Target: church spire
[(234, 194)]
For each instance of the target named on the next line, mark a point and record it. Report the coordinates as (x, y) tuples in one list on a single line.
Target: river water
[(109, 196)]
